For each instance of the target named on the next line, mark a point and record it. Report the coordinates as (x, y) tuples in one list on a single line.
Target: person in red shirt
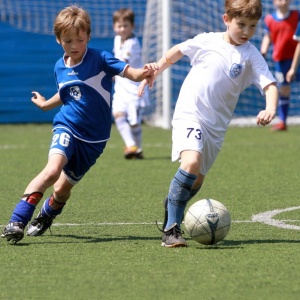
[(281, 27)]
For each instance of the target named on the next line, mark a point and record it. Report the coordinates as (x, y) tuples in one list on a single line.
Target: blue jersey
[(85, 90)]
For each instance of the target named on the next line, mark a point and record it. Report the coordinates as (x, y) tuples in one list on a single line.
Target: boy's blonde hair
[(123, 14), (251, 9), (72, 17)]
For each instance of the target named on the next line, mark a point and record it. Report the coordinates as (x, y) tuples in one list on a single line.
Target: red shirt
[(281, 32)]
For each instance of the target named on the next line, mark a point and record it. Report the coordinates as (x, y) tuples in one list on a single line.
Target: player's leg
[(22, 214), (134, 116), (283, 107), (52, 207), (197, 150), (84, 156), (284, 94), (120, 116), (178, 196), (194, 190)]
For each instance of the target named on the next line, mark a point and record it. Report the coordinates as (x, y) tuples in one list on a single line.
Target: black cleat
[(13, 232), (40, 225)]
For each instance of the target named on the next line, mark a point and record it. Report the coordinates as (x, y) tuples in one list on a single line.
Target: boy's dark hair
[(251, 9), (123, 14)]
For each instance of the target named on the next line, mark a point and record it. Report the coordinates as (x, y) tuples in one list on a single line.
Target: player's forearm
[(44, 104), (171, 57), (271, 92), (53, 102), (296, 58), (265, 45)]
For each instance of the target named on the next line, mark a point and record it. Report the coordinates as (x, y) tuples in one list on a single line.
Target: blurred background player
[(127, 105), (281, 26)]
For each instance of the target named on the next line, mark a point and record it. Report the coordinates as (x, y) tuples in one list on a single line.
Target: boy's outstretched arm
[(139, 74), (44, 104), (290, 76), (265, 44), (266, 116), (171, 57)]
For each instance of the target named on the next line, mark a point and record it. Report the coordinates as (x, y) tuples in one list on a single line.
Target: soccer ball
[(207, 221)]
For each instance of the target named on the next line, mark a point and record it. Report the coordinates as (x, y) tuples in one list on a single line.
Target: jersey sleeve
[(113, 65), (192, 47), (262, 75)]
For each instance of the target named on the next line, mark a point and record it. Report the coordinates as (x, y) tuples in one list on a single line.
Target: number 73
[(196, 132)]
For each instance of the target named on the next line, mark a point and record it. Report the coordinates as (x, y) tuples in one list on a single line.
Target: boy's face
[(74, 44), (239, 29), (282, 4), (124, 29)]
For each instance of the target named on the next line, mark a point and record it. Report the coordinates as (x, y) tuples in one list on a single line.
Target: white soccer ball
[(207, 221)]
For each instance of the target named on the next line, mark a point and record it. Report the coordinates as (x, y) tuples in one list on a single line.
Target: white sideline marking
[(265, 218), (120, 223)]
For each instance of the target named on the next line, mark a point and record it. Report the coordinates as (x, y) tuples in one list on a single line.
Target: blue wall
[(26, 68)]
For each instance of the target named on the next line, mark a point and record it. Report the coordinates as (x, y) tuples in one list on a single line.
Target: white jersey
[(219, 73), (125, 89)]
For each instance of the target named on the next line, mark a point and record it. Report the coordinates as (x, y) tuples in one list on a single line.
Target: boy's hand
[(290, 76), (151, 70), (265, 117), (38, 99)]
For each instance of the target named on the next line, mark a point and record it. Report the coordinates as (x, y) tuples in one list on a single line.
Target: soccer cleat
[(281, 126), (172, 237), (130, 152), (40, 224), (13, 232), (139, 154)]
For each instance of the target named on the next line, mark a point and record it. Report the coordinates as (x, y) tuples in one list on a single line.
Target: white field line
[(120, 223), (265, 218)]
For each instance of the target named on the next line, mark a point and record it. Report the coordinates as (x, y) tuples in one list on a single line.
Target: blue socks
[(23, 212), (48, 210), (283, 108), (179, 194)]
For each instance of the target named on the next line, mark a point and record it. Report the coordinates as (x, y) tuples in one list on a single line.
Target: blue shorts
[(80, 155), (281, 69)]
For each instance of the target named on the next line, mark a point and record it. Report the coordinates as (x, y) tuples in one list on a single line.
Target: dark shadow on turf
[(154, 158), (230, 244), (85, 239)]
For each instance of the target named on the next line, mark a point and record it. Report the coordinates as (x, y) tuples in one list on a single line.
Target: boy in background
[(281, 25), (127, 105)]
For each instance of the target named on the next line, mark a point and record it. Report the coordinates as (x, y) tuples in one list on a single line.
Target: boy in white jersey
[(82, 126), (223, 65), (127, 105)]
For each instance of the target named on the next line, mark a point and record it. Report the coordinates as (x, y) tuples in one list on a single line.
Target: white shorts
[(190, 135), (131, 109)]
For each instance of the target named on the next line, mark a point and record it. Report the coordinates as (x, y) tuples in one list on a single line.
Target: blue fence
[(27, 63)]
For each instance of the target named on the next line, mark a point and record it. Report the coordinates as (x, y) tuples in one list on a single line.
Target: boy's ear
[(57, 40), (226, 19)]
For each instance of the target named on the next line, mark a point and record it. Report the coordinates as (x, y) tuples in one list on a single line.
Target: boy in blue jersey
[(82, 126)]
